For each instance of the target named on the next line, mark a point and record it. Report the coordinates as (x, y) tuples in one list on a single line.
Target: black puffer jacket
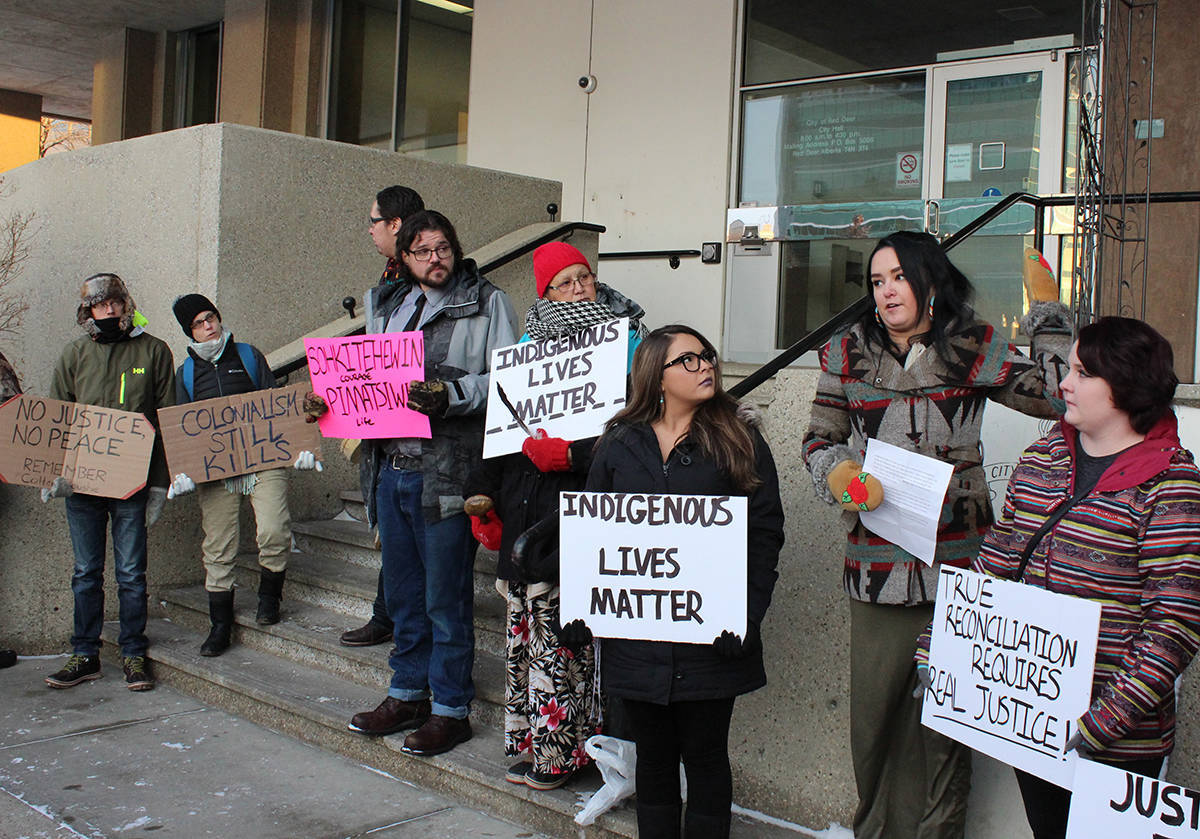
[(228, 377), (524, 495), (628, 460)]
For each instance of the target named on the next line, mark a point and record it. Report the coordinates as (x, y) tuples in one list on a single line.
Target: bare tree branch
[(14, 251)]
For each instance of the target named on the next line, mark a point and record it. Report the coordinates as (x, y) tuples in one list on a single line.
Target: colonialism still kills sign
[(99, 451), (1011, 669), (653, 567), (237, 435)]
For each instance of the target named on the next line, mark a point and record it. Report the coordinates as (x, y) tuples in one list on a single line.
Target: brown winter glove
[(431, 398), (1040, 284), (853, 488), (314, 407)]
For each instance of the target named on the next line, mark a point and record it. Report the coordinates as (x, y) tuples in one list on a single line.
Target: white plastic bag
[(617, 761)]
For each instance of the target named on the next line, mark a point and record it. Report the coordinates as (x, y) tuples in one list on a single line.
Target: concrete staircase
[(296, 678)]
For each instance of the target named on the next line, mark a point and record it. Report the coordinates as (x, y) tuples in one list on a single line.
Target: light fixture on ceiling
[(449, 6)]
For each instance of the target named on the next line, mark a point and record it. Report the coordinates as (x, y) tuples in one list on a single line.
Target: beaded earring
[(931, 299), (878, 319)]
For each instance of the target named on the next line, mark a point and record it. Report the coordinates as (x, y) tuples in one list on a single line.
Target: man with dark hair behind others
[(392, 206), (413, 488)]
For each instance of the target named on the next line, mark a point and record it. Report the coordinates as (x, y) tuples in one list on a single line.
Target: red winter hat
[(551, 258)]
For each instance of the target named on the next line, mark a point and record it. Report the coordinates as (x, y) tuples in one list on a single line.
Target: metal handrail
[(855, 310), (672, 256), (550, 235)]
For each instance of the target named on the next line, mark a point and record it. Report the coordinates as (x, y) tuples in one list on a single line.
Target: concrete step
[(307, 635), (349, 590), (352, 503), (347, 540), (315, 706)]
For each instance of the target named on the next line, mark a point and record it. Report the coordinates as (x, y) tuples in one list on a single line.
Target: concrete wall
[(272, 227), (646, 154)]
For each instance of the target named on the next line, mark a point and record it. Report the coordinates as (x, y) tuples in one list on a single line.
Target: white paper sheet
[(914, 487)]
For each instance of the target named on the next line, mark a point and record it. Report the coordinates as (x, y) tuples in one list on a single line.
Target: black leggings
[(1047, 805), (695, 732)]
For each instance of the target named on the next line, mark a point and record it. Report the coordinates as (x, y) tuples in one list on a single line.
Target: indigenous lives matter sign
[(653, 567), (364, 380), (235, 435), (100, 451), (568, 386), (1011, 668)]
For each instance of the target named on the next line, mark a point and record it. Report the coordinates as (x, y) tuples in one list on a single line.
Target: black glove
[(431, 398), (733, 646), (575, 635)]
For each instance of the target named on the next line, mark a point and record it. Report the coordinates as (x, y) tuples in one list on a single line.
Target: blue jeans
[(88, 517), (427, 577)]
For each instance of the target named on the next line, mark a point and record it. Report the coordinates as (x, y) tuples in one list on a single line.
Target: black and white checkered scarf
[(552, 318)]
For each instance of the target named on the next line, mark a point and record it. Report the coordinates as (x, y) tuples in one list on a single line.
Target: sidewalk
[(97, 760)]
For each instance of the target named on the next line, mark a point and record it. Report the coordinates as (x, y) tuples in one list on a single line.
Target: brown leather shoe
[(391, 716), (366, 636), (438, 734)]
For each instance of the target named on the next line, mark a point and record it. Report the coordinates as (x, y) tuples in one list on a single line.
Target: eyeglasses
[(584, 281), (374, 220), (423, 254), (691, 361), (211, 317)]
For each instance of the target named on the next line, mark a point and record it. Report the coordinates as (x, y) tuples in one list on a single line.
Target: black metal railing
[(672, 256), (1040, 203)]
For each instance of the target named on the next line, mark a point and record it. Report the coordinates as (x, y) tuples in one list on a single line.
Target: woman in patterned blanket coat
[(916, 372)]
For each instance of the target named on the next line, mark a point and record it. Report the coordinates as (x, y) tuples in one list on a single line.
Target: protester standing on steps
[(680, 433), (1107, 507), (115, 364), (391, 207), (219, 366), (550, 706), (916, 372), (412, 488)]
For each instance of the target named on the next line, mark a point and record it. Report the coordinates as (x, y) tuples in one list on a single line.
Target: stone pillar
[(123, 87)]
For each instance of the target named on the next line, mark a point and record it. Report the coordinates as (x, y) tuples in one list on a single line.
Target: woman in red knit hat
[(551, 707)]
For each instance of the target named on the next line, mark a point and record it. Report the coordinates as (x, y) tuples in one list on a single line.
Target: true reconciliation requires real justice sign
[(229, 436), (653, 567), (364, 381), (1011, 668), (1109, 801), (569, 386), (100, 451)]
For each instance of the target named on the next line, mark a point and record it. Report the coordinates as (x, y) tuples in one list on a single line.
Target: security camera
[(587, 83)]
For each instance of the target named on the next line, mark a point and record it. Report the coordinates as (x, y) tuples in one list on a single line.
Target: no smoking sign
[(908, 169)]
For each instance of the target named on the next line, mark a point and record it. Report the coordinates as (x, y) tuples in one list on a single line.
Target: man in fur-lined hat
[(116, 364)]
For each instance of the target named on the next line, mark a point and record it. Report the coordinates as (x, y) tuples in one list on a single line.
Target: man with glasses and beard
[(413, 488)]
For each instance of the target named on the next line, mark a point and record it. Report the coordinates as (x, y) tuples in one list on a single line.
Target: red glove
[(487, 529), (549, 454)]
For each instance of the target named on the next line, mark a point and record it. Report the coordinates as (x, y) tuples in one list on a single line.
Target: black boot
[(270, 592), (220, 612), (658, 821), (705, 825)]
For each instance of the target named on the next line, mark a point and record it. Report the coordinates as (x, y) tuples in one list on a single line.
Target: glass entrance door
[(995, 128)]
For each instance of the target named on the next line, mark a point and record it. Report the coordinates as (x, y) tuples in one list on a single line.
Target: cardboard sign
[(1108, 801), (568, 386), (235, 435), (653, 567), (1012, 670), (101, 451), (364, 380)]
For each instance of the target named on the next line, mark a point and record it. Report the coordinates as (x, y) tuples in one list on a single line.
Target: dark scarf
[(552, 318), (391, 272), (108, 331)]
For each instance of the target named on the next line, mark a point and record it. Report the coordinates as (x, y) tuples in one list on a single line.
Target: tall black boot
[(658, 821), (220, 612), (705, 825), (270, 592)]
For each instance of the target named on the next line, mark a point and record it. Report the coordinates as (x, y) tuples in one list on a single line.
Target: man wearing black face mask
[(115, 365)]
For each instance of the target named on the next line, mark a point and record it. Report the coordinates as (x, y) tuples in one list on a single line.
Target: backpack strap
[(248, 361), (189, 375)]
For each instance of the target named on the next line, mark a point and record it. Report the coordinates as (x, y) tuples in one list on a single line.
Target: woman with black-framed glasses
[(681, 433)]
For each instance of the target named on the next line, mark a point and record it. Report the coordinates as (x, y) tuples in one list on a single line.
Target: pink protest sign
[(364, 381)]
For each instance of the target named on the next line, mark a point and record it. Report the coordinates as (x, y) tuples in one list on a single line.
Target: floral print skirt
[(551, 705)]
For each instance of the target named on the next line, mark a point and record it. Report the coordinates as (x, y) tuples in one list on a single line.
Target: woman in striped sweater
[(1107, 507)]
